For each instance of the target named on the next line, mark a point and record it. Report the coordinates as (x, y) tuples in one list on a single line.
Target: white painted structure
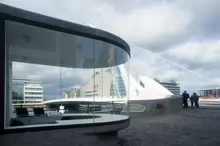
[(151, 90)]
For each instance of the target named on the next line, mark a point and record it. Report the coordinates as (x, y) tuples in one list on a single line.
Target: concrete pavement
[(188, 127), (194, 127)]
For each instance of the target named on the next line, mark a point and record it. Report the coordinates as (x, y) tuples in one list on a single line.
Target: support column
[(8, 83), (2, 73)]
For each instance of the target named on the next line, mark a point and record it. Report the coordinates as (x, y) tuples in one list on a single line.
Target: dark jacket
[(194, 97), (185, 96)]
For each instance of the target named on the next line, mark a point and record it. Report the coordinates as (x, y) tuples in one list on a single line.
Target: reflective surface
[(36, 45), (54, 76)]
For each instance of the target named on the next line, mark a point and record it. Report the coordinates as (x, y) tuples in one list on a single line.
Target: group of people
[(194, 99)]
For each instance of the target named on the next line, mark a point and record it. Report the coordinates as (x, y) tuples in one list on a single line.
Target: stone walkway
[(190, 127)]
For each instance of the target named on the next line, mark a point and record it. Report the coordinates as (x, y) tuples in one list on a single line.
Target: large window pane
[(57, 78)]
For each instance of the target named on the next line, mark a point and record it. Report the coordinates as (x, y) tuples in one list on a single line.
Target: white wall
[(152, 90)]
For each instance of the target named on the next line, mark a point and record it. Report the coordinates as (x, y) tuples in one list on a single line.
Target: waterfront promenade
[(194, 127)]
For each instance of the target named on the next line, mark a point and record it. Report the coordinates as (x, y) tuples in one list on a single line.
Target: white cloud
[(174, 27), (155, 23), (151, 23), (150, 65), (203, 53)]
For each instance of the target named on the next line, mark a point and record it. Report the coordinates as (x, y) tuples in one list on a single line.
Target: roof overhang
[(39, 39)]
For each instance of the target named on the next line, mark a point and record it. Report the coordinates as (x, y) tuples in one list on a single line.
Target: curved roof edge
[(27, 17)]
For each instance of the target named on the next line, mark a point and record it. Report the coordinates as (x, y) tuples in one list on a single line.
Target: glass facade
[(79, 75), (26, 91), (17, 92), (117, 85)]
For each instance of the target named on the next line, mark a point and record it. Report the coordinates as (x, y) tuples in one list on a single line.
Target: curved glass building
[(52, 51)]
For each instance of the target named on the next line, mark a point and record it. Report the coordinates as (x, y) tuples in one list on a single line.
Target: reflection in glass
[(17, 92), (59, 78), (26, 91)]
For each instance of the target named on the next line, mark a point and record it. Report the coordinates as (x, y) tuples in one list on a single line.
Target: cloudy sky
[(183, 31)]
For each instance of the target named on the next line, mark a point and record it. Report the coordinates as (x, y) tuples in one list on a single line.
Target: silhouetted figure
[(194, 100), (197, 101), (185, 99), (191, 101)]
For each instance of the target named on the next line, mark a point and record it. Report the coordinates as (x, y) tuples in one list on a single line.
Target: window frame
[(8, 13)]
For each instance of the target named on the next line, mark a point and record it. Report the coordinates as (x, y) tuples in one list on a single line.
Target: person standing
[(194, 99), (185, 96)]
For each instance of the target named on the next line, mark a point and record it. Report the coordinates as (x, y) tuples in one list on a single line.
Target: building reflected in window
[(26, 91)]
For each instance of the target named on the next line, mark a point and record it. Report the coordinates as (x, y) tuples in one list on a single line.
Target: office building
[(25, 91), (172, 86), (210, 93)]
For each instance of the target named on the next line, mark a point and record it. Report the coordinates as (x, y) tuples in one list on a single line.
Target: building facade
[(25, 91), (72, 93), (215, 93), (96, 86), (35, 39), (117, 85), (112, 86), (172, 86)]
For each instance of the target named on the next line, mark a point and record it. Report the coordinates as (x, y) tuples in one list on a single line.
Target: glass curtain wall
[(68, 76)]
